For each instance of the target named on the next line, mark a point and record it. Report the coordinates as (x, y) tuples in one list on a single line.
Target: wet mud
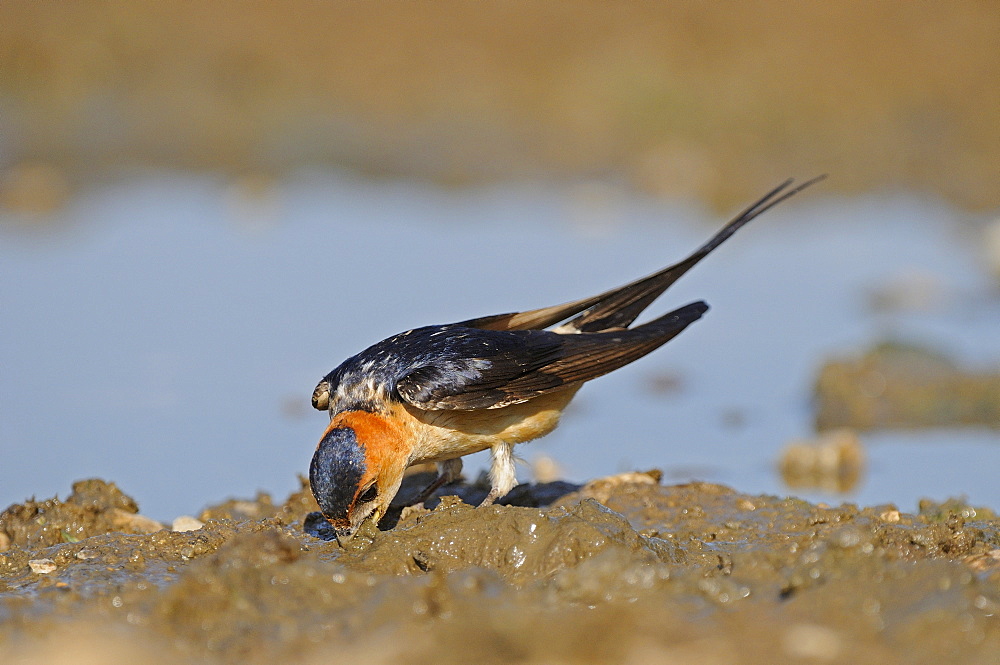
[(895, 385), (623, 569)]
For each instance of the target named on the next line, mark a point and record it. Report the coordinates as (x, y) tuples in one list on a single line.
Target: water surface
[(166, 332)]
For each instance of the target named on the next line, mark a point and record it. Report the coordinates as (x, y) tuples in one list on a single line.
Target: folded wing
[(523, 364)]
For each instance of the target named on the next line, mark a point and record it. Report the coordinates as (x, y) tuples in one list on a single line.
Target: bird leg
[(502, 473), (490, 498), (448, 472)]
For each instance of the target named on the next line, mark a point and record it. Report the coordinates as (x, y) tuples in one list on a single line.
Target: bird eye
[(321, 396), (369, 494)]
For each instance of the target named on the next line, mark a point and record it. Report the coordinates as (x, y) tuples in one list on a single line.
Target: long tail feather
[(619, 307)]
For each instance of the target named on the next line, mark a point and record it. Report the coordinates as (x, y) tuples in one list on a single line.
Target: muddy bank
[(680, 100), (621, 570), (894, 385)]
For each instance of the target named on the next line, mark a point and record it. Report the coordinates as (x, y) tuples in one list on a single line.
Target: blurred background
[(205, 207)]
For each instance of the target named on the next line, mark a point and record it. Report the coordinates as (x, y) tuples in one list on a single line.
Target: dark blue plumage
[(336, 469), (454, 366), (440, 361)]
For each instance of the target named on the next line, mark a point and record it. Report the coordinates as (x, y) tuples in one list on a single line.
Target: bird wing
[(524, 364), (619, 307)]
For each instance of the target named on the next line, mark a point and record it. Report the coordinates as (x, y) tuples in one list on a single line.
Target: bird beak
[(345, 536)]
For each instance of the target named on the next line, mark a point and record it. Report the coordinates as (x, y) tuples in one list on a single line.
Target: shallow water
[(167, 331)]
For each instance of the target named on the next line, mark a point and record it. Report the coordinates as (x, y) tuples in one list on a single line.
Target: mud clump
[(834, 462), (621, 569), (93, 508), (901, 386), (521, 545)]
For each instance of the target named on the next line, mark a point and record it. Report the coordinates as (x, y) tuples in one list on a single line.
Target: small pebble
[(186, 523), (889, 516), (133, 523), (42, 566)]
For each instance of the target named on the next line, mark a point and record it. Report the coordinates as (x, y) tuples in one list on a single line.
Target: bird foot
[(490, 498)]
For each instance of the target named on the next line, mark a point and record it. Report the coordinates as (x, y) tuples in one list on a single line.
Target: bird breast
[(447, 434)]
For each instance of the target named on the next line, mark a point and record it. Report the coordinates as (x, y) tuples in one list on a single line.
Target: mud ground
[(623, 569)]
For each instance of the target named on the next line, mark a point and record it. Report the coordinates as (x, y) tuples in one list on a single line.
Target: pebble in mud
[(42, 566), (186, 523)]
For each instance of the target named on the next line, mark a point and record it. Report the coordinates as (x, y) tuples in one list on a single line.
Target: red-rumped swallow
[(436, 393)]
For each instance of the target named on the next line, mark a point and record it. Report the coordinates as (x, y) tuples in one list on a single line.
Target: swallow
[(437, 393)]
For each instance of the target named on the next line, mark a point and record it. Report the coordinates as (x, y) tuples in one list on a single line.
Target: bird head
[(351, 480)]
